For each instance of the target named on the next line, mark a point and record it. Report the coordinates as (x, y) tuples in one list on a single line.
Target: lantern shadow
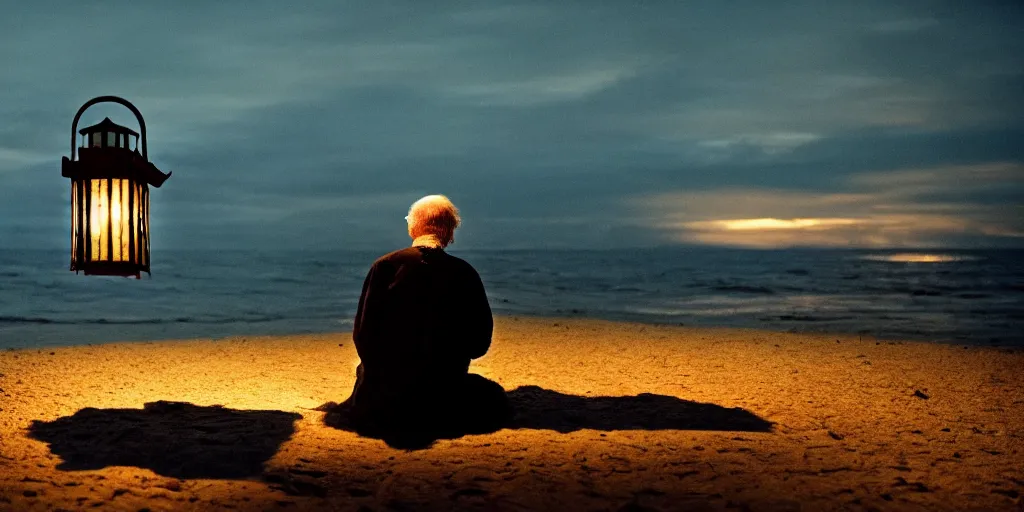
[(544, 409), (173, 439)]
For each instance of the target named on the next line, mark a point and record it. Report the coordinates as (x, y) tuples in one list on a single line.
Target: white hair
[(434, 215)]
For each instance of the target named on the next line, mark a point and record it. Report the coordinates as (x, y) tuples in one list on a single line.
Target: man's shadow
[(182, 440), (174, 439), (538, 408)]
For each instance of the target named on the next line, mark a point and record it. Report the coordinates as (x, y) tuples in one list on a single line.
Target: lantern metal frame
[(104, 168)]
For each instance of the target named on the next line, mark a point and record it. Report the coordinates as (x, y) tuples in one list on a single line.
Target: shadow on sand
[(174, 439), (182, 440), (538, 408)]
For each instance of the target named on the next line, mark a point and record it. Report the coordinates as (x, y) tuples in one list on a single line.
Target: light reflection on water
[(919, 257), (724, 305)]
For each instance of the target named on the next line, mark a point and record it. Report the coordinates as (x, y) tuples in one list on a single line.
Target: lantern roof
[(106, 125)]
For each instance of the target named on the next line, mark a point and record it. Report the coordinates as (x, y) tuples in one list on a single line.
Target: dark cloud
[(548, 123)]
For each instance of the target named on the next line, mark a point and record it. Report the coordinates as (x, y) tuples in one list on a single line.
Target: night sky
[(550, 124)]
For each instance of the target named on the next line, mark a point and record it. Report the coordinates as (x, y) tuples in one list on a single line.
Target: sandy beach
[(611, 416)]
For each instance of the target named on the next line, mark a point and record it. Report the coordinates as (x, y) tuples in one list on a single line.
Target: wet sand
[(612, 416)]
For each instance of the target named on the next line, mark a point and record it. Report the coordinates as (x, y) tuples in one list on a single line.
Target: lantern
[(110, 196)]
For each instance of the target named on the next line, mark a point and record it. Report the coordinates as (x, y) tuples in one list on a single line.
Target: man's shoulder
[(397, 256), (407, 255)]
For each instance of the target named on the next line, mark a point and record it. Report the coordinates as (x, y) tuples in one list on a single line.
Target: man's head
[(434, 215)]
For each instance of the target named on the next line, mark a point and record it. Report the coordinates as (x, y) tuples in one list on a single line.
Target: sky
[(570, 124)]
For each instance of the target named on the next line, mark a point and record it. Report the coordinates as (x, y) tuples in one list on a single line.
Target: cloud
[(904, 25), (564, 87), (13, 158), (768, 143)]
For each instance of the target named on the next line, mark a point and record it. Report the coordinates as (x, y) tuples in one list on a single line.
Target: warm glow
[(110, 219), (768, 232), (911, 257), (918, 209), (98, 216), (770, 223)]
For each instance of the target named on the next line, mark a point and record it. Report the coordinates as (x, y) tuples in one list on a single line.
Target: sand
[(613, 416)]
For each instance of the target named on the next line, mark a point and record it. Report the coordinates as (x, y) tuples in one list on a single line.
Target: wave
[(744, 289), (807, 318), (134, 321)]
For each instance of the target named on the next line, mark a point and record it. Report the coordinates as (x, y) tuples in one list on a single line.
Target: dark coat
[(423, 315)]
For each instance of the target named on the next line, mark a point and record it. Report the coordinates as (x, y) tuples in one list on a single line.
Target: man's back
[(423, 315)]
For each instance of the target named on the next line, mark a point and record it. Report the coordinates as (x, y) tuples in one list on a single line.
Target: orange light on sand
[(912, 257)]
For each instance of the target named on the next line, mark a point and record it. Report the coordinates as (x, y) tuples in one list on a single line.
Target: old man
[(422, 317)]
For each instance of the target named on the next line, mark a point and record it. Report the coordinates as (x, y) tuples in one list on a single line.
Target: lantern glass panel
[(97, 139), (141, 222), (122, 220), (135, 216), (110, 220), (74, 218), (99, 214)]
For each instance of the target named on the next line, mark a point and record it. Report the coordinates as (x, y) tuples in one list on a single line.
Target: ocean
[(971, 297)]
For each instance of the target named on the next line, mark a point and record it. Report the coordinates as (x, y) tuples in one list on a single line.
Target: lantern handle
[(111, 99)]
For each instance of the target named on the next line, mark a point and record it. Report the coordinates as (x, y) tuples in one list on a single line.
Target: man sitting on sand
[(423, 315)]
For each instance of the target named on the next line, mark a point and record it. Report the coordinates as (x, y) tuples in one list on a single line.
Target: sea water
[(954, 296)]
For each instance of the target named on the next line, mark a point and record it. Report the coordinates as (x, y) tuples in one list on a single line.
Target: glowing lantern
[(110, 196)]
